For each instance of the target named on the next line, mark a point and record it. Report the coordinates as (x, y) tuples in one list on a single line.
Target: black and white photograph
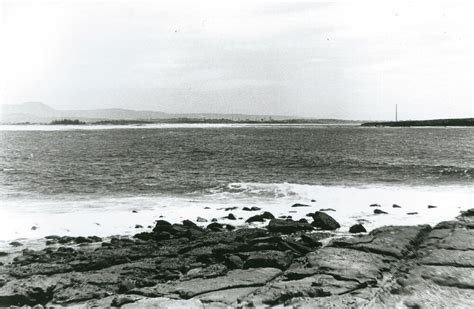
[(236, 154)]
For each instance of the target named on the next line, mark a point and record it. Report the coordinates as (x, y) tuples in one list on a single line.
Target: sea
[(107, 180)]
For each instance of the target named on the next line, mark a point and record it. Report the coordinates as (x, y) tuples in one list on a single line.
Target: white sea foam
[(113, 215)]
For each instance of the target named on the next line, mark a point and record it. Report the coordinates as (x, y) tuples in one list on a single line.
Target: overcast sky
[(326, 59)]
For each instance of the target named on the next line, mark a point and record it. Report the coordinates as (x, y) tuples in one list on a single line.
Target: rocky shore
[(301, 263)]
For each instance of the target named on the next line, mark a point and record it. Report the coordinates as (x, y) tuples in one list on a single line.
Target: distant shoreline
[(460, 122)]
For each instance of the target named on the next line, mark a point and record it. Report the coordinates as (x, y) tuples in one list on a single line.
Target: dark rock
[(374, 205), (230, 208), (229, 227), (300, 205), (3, 253), (144, 236), (303, 220), (16, 244), (215, 227), (287, 226), (207, 207), (324, 221), (138, 226), (253, 208), (412, 213), (468, 213), (396, 206), (134, 211), (95, 238), (327, 209), (313, 201), (189, 223), (34, 228), (432, 206), (294, 246), (233, 261), (162, 226), (213, 220), (268, 258), (231, 217), (162, 236), (357, 228), (260, 218), (311, 240), (379, 212), (82, 240), (199, 219)]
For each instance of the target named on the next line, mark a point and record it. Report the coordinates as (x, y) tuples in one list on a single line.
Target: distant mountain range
[(36, 112)]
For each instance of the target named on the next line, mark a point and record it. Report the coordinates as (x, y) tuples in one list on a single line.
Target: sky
[(323, 59)]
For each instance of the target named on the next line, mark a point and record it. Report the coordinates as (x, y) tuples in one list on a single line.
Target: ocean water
[(55, 174)]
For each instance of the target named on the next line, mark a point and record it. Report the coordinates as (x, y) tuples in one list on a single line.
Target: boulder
[(231, 217), (189, 223), (379, 212), (300, 205), (396, 206), (260, 218), (287, 226), (324, 221), (253, 208), (162, 225), (199, 219), (215, 227), (357, 228), (268, 258)]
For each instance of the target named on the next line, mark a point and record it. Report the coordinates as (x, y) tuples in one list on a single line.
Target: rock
[(412, 213), (16, 244), (468, 213), (138, 226), (161, 236), (379, 212), (313, 201), (253, 208), (374, 205), (134, 211), (357, 228), (233, 261), (237, 278), (215, 227), (300, 205), (324, 221), (189, 223), (311, 240), (287, 226), (34, 228), (231, 217), (207, 207), (213, 220), (327, 209), (3, 253), (230, 208), (396, 206), (268, 258), (199, 219), (303, 220), (162, 226), (432, 206), (260, 218)]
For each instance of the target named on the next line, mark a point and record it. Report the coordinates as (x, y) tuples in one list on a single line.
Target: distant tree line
[(67, 121), (460, 122)]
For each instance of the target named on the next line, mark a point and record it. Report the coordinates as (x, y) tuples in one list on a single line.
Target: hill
[(461, 122)]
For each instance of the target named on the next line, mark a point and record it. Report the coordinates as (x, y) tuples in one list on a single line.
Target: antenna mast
[(396, 112)]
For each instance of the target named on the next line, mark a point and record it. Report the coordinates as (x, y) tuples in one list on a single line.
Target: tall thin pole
[(396, 112)]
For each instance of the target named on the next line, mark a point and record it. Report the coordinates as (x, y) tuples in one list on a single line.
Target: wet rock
[(231, 217), (15, 244), (134, 211), (201, 220), (230, 208), (299, 205), (138, 226), (213, 220), (432, 206), (287, 226), (468, 213), (215, 227), (327, 209), (260, 218), (313, 201), (379, 212), (162, 226), (268, 258), (357, 228), (311, 240), (324, 221), (396, 206), (374, 205), (189, 223), (412, 213), (253, 208)]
